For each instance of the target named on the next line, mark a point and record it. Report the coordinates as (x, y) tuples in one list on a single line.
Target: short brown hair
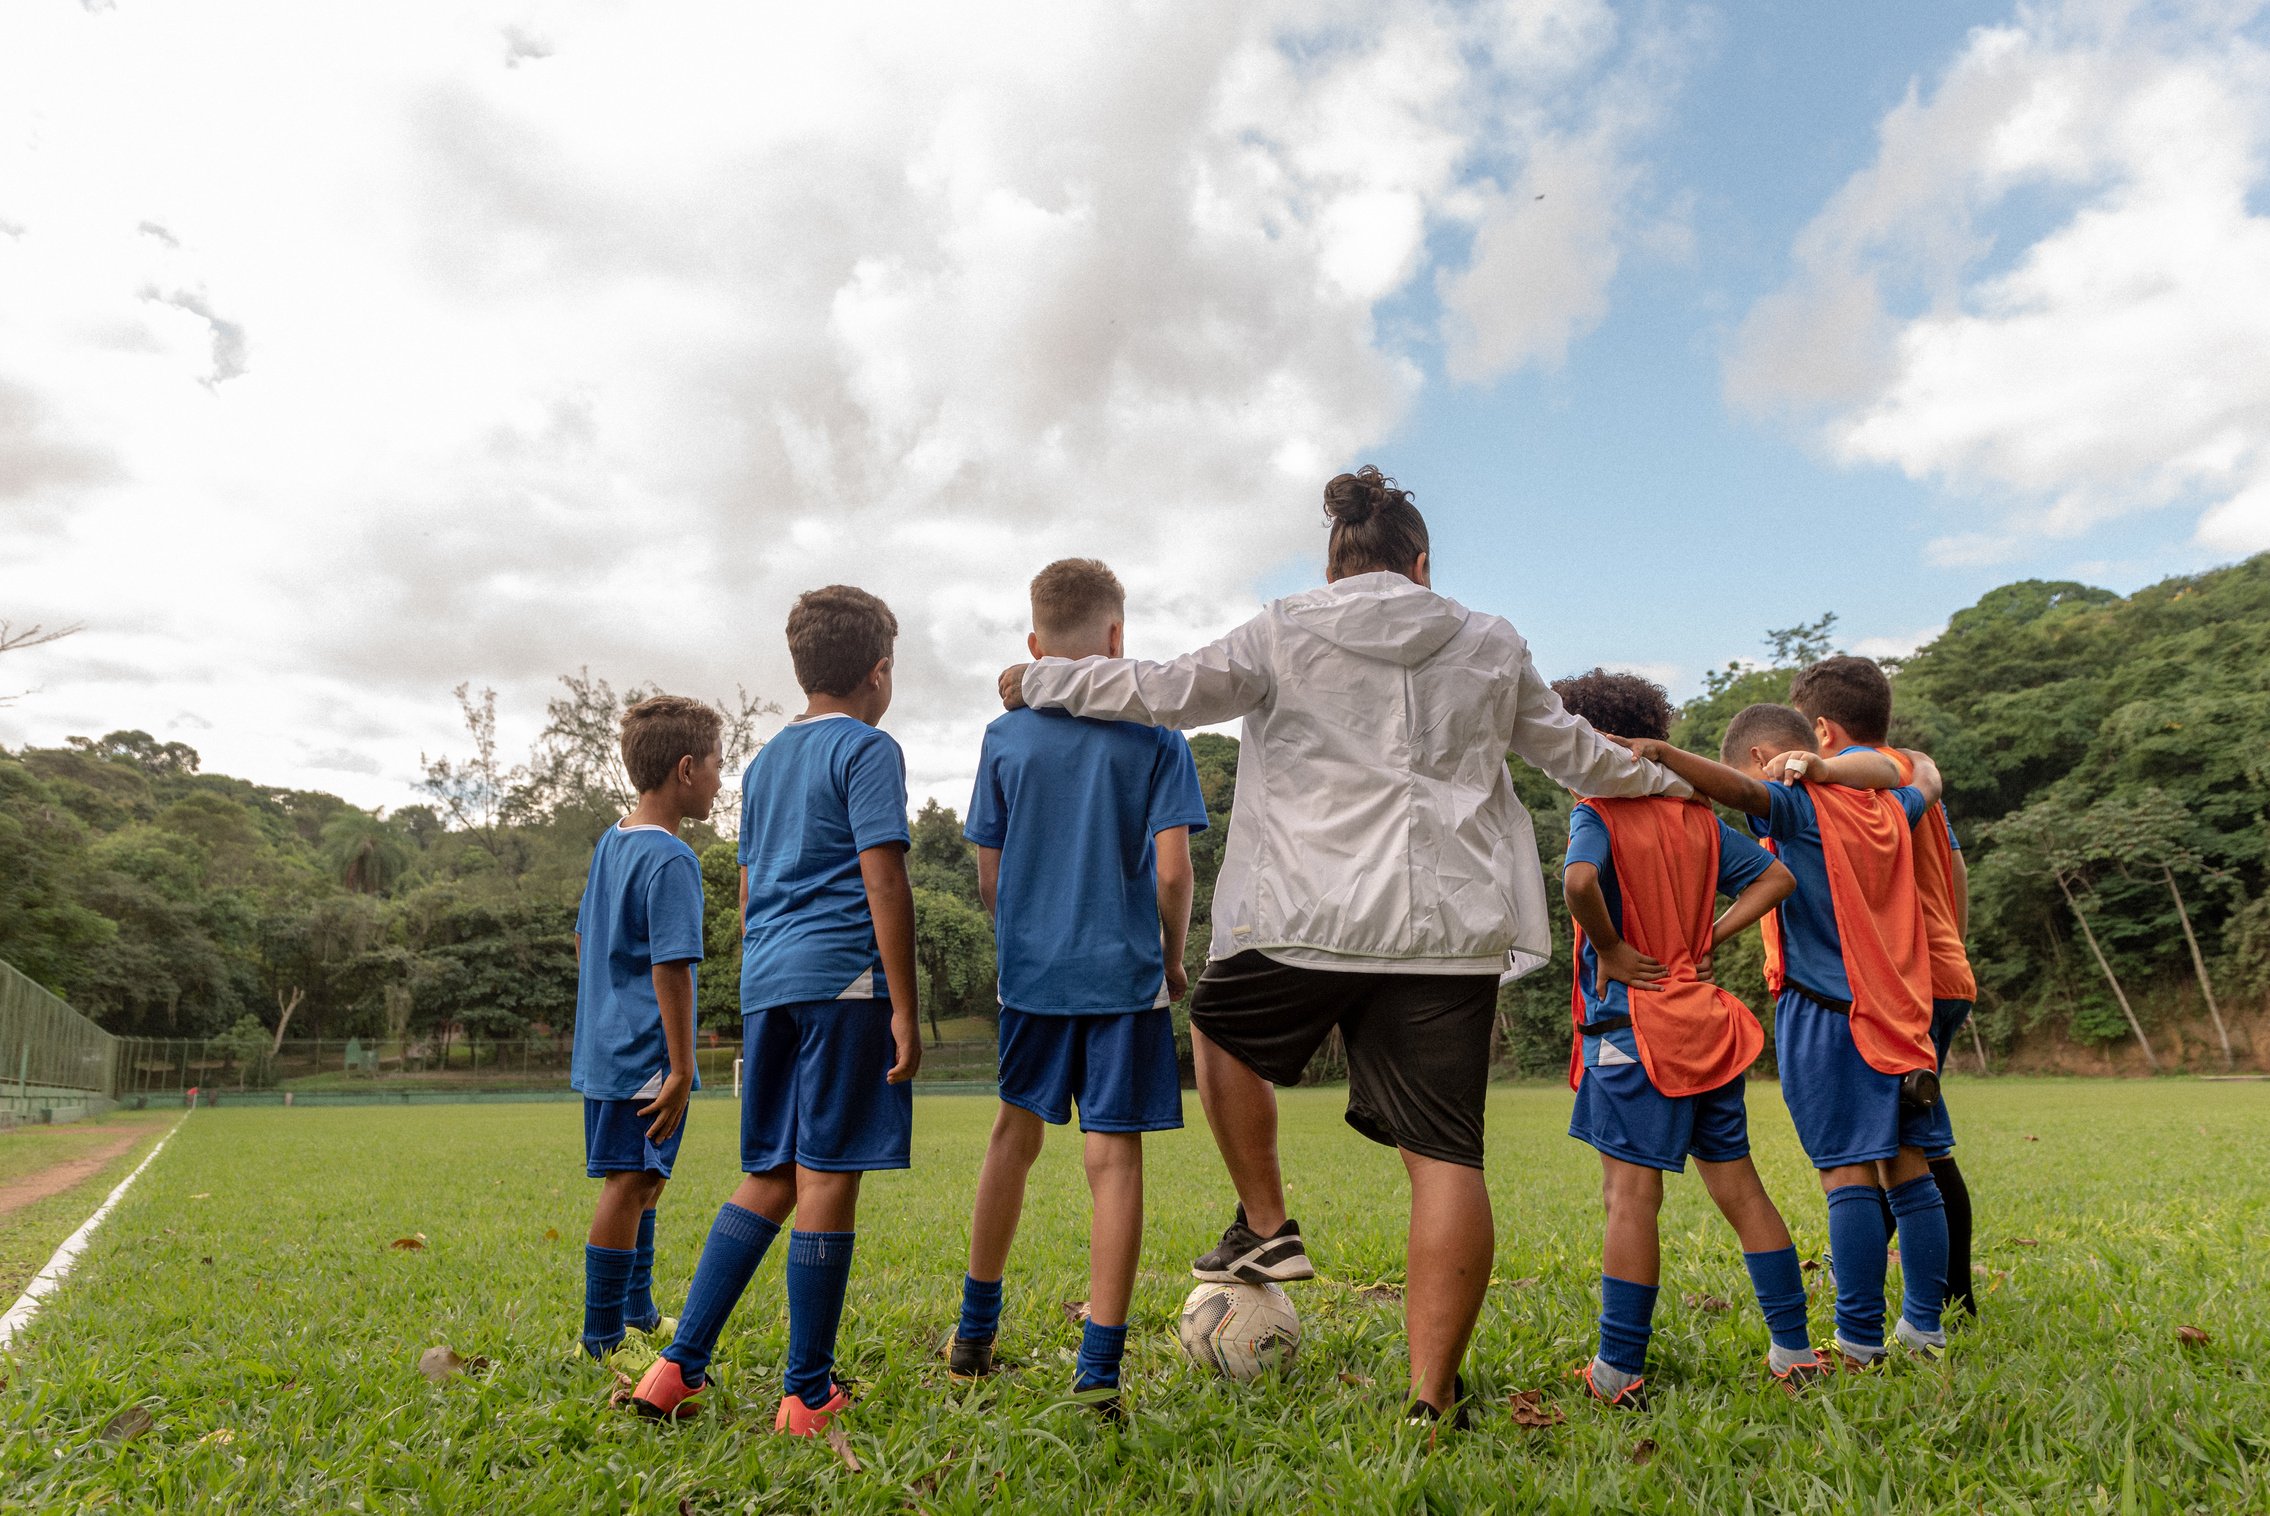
[(660, 730), (1622, 705), (836, 636), (1852, 692), (1763, 725), (1074, 595), (1374, 525)]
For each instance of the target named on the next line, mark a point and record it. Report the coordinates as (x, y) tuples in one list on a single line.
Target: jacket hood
[(1381, 615)]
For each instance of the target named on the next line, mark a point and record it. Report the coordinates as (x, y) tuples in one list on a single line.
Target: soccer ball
[(1241, 1330)]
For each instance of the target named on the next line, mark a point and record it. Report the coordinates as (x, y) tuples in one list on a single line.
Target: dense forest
[(2106, 759)]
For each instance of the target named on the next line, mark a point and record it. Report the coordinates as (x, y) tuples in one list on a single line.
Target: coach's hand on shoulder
[(1013, 686), (668, 1107), (906, 1038), (1627, 965)]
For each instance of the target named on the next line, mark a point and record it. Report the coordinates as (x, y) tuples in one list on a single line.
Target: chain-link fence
[(55, 1064)]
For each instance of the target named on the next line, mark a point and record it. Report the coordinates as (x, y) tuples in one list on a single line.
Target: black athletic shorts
[(1418, 1044)]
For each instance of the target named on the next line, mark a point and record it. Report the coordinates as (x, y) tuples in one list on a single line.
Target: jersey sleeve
[(1741, 862), (1952, 840), (875, 794), (988, 824), (1786, 808), (674, 911), (746, 848), (1911, 800), (1176, 797), (1588, 840)]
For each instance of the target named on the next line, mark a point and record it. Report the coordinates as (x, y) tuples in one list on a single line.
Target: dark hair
[(1764, 724), (1622, 705), (1074, 595), (1852, 692), (1374, 525), (836, 636), (660, 730)]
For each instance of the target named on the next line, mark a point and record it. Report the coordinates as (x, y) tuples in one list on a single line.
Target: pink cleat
[(800, 1420), (664, 1395)]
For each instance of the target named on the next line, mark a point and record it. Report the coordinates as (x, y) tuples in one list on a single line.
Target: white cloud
[(345, 355), (2050, 292)]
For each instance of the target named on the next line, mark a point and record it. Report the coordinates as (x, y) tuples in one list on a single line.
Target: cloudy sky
[(351, 352)]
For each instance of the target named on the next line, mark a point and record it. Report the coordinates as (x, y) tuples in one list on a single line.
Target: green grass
[(29, 1234), (273, 1334)]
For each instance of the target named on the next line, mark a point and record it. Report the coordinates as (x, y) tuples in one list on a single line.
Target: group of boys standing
[(1082, 830)]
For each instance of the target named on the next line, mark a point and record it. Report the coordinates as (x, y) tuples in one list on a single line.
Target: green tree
[(953, 948)]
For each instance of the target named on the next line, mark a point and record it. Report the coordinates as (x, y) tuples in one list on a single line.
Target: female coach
[(1380, 876)]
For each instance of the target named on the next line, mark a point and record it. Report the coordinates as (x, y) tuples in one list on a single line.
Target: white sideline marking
[(49, 1279)]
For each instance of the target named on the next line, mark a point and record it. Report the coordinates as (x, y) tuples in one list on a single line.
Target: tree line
[(2106, 759)]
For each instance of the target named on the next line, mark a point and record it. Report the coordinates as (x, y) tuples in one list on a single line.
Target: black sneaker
[(970, 1360), (1103, 1400), (1458, 1418), (1244, 1256)]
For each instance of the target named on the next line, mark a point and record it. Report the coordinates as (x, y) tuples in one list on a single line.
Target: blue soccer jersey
[(642, 905), (1811, 952), (1072, 806), (1741, 863), (818, 795)]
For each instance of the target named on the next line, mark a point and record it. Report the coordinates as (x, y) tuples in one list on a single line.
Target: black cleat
[(1244, 1256), (1458, 1418), (970, 1360)]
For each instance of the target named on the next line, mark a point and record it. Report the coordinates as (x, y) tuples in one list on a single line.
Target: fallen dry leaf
[(1811, 1265), (1357, 1381), (219, 1435), (2030, 1137), (202, 1195), (128, 1424), (414, 1243), (1643, 1451), (1075, 1311), (1379, 1294), (1711, 1303), (552, 1234), (2194, 1337), (2024, 1242), (1523, 1284), (1530, 1410), (842, 1445), (440, 1361)]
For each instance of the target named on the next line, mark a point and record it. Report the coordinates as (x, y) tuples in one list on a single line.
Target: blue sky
[(568, 349)]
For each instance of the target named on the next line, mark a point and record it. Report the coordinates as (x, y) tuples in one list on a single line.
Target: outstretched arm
[(1220, 682), (1857, 771), (1568, 751), (1713, 781)]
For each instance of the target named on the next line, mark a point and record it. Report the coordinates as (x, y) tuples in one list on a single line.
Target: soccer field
[(246, 1295)]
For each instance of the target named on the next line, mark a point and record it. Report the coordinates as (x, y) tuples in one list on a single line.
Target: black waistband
[(1825, 1002), (1605, 1026)]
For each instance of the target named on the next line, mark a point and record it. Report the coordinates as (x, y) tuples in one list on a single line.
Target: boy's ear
[(1115, 641), (1032, 644), (1821, 733)]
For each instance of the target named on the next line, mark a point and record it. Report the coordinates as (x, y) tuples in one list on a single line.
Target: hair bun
[(1351, 499)]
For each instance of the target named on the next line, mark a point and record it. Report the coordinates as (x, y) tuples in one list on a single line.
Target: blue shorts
[(1120, 1069), (813, 1090), (1845, 1110), (1620, 1112), (614, 1140)]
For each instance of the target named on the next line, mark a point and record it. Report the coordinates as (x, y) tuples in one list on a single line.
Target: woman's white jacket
[(1376, 825)]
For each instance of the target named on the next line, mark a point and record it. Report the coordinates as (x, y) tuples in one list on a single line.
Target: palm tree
[(367, 853)]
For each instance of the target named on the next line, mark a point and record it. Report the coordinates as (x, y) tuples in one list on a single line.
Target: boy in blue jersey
[(1647, 1105), (1849, 963), (1083, 835), (638, 935), (827, 1003)]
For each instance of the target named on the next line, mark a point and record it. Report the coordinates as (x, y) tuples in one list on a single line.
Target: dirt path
[(57, 1178)]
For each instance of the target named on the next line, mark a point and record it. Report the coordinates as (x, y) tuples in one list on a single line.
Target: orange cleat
[(1632, 1397), (664, 1395), (800, 1420)]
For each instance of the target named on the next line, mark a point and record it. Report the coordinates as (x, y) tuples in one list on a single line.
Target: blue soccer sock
[(1780, 1287), (819, 1271), (1627, 1317), (1101, 1349), (1923, 1251), (638, 1307), (737, 1242), (1858, 1239), (981, 1309), (606, 1275)]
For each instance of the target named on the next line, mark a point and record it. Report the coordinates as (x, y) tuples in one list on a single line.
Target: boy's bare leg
[(623, 1198), (1115, 1228), (826, 1201), (1009, 1157), (771, 1194), (1633, 1196), (1446, 1271), (1742, 1199), (1241, 1110), (1906, 1164)]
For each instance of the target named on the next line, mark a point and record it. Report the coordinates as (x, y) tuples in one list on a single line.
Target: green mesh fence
[(52, 1059)]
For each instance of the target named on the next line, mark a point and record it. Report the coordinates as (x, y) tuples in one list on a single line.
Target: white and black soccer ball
[(1240, 1330)]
